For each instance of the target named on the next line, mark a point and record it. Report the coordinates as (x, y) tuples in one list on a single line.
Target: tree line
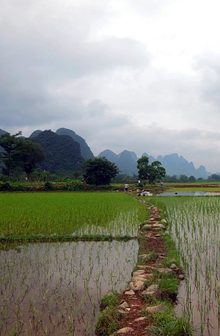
[(21, 156)]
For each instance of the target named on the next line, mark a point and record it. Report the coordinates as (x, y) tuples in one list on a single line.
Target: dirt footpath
[(151, 253)]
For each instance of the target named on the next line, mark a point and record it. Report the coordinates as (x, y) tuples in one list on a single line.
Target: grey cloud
[(30, 72), (149, 8), (43, 47), (59, 69), (97, 108)]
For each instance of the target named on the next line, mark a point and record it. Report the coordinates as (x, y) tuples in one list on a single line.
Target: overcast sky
[(141, 75)]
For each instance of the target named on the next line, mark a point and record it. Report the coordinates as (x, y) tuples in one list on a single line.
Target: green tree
[(29, 154), (192, 179), (99, 171), (214, 177), (151, 172), (19, 154), (9, 143), (183, 178)]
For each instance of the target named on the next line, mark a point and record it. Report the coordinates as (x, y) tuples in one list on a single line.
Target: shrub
[(169, 288), (5, 186), (109, 317), (48, 186), (110, 299)]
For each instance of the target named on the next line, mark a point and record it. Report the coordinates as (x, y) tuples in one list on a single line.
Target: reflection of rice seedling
[(57, 287), (194, 226)]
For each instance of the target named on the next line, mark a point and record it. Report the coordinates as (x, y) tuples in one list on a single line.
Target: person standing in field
[(126, 187)]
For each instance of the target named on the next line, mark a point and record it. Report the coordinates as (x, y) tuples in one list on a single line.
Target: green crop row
[(194, 227), (69, 214)]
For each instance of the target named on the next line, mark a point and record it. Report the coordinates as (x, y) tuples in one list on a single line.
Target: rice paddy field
[(194, 223), (69, 214), (53, 285), (60, 253)]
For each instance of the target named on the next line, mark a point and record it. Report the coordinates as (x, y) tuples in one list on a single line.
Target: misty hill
[(125, 161), (2, 132), (62, 153), (178, 165), (173, 163), (35, 133), (84, 148)]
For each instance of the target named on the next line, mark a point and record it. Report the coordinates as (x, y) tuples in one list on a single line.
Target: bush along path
[(147, 306)]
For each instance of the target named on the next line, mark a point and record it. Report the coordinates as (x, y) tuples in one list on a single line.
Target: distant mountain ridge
[(173, 163), (2, 132), (62, 153), (126, 161), (84, 148)]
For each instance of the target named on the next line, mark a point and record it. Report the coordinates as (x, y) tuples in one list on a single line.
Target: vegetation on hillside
[(62, 153)]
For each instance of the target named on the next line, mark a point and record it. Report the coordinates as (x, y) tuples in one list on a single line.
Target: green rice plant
[(44, 286), (69, 214), (194, 228)]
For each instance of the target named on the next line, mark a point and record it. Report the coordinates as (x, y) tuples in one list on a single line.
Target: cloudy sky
[(141, 75)]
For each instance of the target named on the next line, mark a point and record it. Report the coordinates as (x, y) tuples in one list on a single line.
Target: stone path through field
[(137, 297)]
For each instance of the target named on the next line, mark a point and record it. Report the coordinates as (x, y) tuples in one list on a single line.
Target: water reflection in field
[(189, 193), (55, 288), (194, 224)]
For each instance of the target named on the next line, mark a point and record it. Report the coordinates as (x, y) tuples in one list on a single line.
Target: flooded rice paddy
[(189, 193), (56, 288), (195, 227)]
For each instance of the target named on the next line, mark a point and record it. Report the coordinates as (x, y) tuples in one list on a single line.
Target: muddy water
[(203, 307), (196, 231), (55, 288), (199, 293)]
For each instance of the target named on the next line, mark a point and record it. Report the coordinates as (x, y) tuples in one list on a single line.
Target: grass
[(111, 299), (169, 288), (153, 256), (109, 317), (166, 323)]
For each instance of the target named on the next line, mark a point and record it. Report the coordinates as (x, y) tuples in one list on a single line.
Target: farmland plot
[(69, 214), (195, 227), (55, 288)]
